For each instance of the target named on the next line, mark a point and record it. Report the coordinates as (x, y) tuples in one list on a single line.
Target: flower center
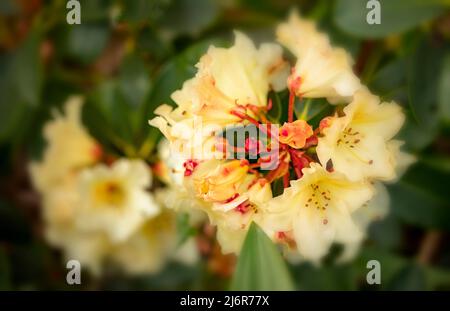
[(109, 192), (349, 138), (318, 198)]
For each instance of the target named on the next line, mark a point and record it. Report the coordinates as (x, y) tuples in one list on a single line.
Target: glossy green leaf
[(142, 11), (410, 277), (85, 42), (190, 17), (134, 81), (330, 277), (396, 16), (309, 108), (184, 228), (21, 80), (390, 78), (423, 80), (27, 70), (421, 197), (260, 265), (111, 116), (401, 273)]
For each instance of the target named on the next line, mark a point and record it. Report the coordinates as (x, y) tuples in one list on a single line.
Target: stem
[(291, 107)]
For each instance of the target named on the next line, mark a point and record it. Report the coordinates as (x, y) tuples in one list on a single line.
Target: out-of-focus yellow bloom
[(114, 199), (356, 142), (89, 248), (318, 209), (321, 70), (150, 247), (59, 207), (69, 147)]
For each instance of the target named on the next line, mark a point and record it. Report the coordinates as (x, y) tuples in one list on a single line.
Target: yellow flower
[(218, 181), (114, 199), (356, 142), (69, 147), (233, 223), (228, 79), (149, 249), (318, 209), (400, 159), (89, 248), (321, 70), (59, 205)]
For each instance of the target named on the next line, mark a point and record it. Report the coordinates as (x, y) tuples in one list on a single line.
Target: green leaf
[(409, 278), (134, 81), (444, 91), (389, 79), (27, 70), (190, 17), (426, 68), (310, 108), (401, 273), (85, 42), (12, 109), (386, 233), (421, 197), (95, 10), (423, 81), (184, 228), (260, 265), (109, 116), (332, 277), (141, 11), (21, 80), (397, 16)]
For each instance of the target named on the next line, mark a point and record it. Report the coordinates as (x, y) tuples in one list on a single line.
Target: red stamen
[(286, 179), (243, 208), (189, 167), (269, 105), (234, 196)]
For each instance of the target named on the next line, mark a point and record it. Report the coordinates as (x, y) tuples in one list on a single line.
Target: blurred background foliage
[(127, 57)]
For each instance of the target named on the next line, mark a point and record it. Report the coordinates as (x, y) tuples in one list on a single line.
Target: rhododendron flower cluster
[(331, 170)]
